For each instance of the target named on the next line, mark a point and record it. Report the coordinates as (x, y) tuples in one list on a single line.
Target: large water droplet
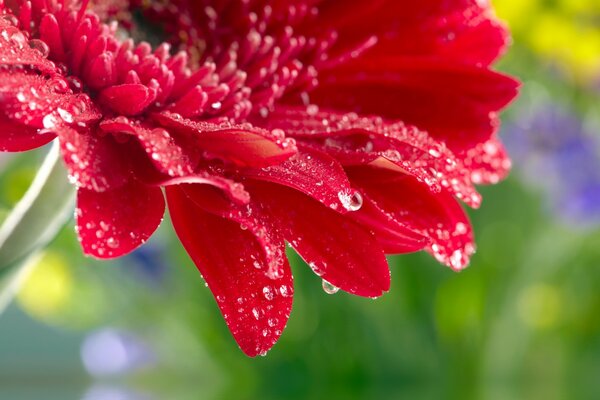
[(329, 288), (351, 201), (40, 46), (18, 39), (49, 121)]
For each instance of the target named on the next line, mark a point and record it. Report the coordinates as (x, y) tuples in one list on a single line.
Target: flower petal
[(438, 216), (115, 222), (17, 51), (455, 103), (360, 140), (488, 162), (394, 237), (453, 30), (158, 144), (127, 99), (243, 145), (94, 162), (41, 102), (338, 249), (17, 137), (255, 307), (311, 172)]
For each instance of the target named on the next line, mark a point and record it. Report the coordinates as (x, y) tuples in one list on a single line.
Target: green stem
[(34, 222)]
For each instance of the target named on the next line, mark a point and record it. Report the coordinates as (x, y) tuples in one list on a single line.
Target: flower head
[(350, 131)]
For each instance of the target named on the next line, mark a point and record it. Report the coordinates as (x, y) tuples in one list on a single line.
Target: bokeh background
[(523, 322)]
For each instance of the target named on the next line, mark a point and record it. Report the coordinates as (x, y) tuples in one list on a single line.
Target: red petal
[(466, 30), (488, 162), (94, 163), (338, 249), (128, 99), (115, 222), (394, 237), (233, 190), (40, 102), (456, 104), (438, 216), (15, 50), (16, 137), (355, 140), (242, 145), (255, 306), (311, 172), (158, 144)]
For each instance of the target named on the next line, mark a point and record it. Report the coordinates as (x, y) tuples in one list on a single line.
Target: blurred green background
[(523, 322)]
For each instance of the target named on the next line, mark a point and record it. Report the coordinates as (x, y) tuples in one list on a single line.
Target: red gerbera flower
[(287, 120)]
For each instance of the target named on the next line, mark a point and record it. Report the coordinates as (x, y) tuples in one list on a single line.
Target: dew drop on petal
[(268, 292), (49, 121), (112, 243), (40, 46), (351, 201), (329, 288)]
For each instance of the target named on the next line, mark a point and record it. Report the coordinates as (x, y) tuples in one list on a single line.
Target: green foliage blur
[(522, 322)]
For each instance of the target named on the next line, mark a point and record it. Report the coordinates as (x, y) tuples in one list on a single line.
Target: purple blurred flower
[(557, 151), (111, 352)]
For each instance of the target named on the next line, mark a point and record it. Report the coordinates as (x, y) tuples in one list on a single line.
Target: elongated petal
[(465, 30), (456, 104), (127, 99), (115, 222), (311, 172), (394, 237), (157, 143), (16, 137), (363, 140), (94, 162), (437, 216), (255, 306), (338, 249), (242, 145)]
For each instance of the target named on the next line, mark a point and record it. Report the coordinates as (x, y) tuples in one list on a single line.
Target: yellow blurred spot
[(539, 306), (48, 288), (564, 32)]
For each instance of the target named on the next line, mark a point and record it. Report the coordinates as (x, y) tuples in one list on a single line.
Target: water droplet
[(268, 292), (316, 269), (112, 243), (456, 260), (312, 110), (434, 153), (18, 39), (284, 291), (49, 121), (10, 19), (351, 201), (329, 288), (40, 46)]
